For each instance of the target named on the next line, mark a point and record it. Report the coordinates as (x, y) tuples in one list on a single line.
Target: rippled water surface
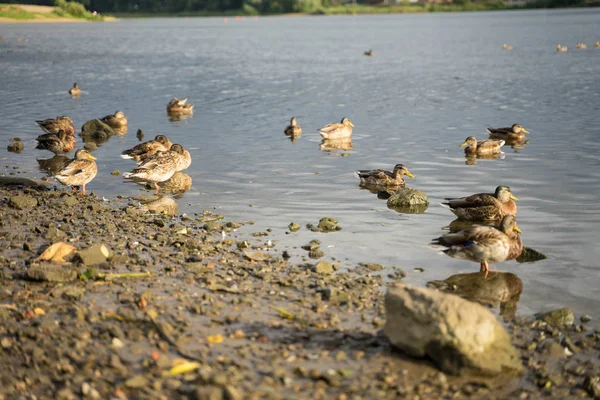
[(434, 80)]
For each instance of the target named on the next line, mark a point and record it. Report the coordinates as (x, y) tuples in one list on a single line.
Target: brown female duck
[(384, 179), (54, 125), (147, 149), (58, 143), (482, 147), (79, 171), (484, 206)]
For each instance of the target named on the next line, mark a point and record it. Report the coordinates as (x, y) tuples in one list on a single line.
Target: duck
[(482, 147), (116, 120), (158, 168), (369, 53), (484, 244), (337, 130), (147, 149), (79, 171), (383, 178), (484, 206), (75, 91), (293, 129), (597, 44), (176, 106), (581, 45), (58, 143), (515, 133), (185, 158), (59, 123), (507, 47), (560, 48)]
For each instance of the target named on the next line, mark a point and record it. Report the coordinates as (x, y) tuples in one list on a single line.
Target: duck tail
[(501, 142), (128, 175), (324, 135), (489, 131), (126, 155)]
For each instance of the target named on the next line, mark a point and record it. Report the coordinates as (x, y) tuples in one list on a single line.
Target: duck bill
[(91, 157), (409, 174), (517, 229), (463, 144), (513, 197), (351, 124), (524, 130)]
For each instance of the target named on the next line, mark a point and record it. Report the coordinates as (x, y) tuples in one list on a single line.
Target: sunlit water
[(434, 80)]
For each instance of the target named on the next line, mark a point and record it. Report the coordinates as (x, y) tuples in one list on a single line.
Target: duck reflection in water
[(149, 203), (499, 290), (177, 184), (472, 160), (336, 147)]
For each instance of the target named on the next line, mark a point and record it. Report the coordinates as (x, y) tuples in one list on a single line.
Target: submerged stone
[(408, 201), (562, 317)]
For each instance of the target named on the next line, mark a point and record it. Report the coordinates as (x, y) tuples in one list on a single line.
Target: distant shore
[(29, 13)]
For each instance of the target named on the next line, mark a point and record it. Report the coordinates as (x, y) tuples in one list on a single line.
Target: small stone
[(209, 392), (213, 226), (116, 172), (6, 343), (585, 318), (93, 255), (591, 384), (233, 393), (560, 318), (47, 272), (22, 202), (316, 253), (323, 267), (293, 227), (55, 235), (15, 146), (71, 201), (568, 343), (136, 382)]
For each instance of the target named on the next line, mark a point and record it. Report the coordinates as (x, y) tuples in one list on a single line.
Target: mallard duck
[(184, 160), (509, 134), (484, 206), (116, 120), (484, 244), (560, 48), (507, 47), (293, 129), (158, 168), (140, 135), (369, 53), (75, 91), (581, 46), (58, 143), (337, 130), (482, 147), (79, 171), (176, 106), (383, 178), (54, 125), (597, 44), (147, 149)]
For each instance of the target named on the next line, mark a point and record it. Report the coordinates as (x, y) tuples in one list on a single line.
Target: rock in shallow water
[(409, 201), (558, 318), (460, 336)]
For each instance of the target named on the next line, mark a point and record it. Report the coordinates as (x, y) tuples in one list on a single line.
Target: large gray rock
[(408, 201), (460, 336)]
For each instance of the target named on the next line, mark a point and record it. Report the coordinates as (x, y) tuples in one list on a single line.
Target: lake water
[(434, 80)]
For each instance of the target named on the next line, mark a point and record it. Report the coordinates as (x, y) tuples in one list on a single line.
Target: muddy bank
[(142, 294)]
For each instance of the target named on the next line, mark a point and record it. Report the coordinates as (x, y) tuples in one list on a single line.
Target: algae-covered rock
[(96, 131), (93, 255), (47, 272), (323, 267), (462, 337), (22, 202), (408, 201), (15, 145), (326, 224), (293, 227), (560, 318)]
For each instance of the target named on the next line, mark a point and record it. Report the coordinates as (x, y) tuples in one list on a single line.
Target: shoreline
[(161, 304)]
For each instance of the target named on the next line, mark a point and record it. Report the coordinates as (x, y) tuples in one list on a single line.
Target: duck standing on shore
[(484, 244), (79, 171)]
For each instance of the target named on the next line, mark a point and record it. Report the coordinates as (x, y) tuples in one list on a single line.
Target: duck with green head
[(484, 206), (484, 244), (474, 148), (515, 133)]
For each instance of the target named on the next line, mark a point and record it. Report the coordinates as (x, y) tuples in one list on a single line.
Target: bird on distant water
[(79, 171), (507, 47), (597, 44), (581, 46), (484, 206), (75, 91), (484, 244), (369, 53), (383, 178), (560, 48), (59, 123), (176, 106), (473, 147), (293, 129), (514, 133), (147, 149), (337, 130), (58, 143)]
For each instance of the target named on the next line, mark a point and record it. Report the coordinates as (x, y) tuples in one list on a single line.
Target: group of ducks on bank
[(480, 243), (559, 48), (158, 159)]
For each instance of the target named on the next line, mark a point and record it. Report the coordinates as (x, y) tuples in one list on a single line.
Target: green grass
[(408, 8), (12, 12)]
